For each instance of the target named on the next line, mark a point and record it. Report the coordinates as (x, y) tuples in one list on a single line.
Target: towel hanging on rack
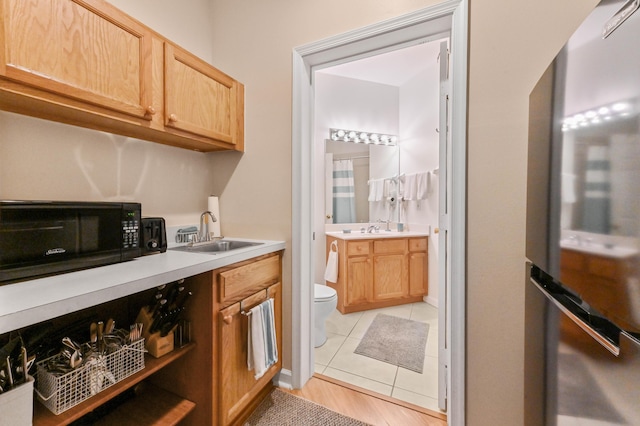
[(331, 271), (262, 348)]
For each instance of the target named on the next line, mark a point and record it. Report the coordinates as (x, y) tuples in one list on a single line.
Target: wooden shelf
[(43, 417), (153, 406)]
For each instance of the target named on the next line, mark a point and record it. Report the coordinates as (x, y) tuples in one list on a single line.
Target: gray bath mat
[(397, 341)]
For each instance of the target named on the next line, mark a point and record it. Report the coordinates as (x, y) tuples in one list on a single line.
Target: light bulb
[(340, 133)]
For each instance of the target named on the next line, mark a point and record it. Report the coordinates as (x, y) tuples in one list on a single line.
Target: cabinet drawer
[(242, 281), (389, 246), (417, 244), (355, 248)]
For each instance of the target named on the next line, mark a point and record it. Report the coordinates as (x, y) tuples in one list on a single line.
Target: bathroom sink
[(214, 247)]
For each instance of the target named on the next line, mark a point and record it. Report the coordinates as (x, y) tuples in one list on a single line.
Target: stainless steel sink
[(216, 246)]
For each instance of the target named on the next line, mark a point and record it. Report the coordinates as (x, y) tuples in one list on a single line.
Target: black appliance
[(583, 219), (47, 237), (154, 235)]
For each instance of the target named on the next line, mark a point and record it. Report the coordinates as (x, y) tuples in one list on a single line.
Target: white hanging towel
[(256, 359), (410, 187), (422, 185), (331, 271), (401, 186), (568, 188)]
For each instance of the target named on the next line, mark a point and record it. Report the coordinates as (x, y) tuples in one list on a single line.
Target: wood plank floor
[(366, 406)]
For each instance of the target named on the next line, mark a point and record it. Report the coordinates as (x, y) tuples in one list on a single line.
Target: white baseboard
[(283, 379), (431, 300)]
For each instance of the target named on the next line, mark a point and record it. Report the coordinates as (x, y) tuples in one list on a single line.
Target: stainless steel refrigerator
[(583, 219)]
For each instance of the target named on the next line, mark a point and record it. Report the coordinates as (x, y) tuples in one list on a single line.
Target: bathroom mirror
[(348, 169), (599, 165)]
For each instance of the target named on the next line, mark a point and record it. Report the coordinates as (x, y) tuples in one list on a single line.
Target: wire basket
[(60, 392)]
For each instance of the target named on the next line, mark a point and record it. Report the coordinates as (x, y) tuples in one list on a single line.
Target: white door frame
[(388, 35)]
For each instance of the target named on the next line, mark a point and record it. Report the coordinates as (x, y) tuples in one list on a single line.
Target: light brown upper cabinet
[(71, 49), (86, 63), (201, 100)]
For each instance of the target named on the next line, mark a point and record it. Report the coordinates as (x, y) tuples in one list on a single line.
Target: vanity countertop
[(29, 302), (357, 235)]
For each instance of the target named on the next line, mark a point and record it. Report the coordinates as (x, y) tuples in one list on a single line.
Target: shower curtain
[(595, 213), (344, 200)]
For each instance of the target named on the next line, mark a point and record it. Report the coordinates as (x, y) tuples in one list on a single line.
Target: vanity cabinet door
[(418, 267), (390, 277), (390, 269), (201, 100), (359, 273), (81, 50)]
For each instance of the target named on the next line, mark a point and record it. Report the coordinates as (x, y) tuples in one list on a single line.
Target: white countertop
[(30, 302), (357, 235), (616, 252)]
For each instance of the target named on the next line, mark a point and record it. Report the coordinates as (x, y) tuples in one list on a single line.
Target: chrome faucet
[(204, 223), (371, 228)]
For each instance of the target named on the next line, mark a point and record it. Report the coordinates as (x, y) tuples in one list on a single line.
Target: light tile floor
[(336, 357)]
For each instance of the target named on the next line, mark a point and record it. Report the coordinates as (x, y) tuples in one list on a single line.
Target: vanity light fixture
[(598, 115), (357, 136)]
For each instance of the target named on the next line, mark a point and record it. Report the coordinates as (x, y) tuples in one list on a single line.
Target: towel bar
[(248, 313)]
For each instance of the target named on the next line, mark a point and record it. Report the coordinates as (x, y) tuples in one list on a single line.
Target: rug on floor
[(396, 341), (283, 409)]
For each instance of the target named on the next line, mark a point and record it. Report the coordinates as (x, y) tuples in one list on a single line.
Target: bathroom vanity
[(380, 269)]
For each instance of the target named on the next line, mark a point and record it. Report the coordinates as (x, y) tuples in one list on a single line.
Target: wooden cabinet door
[(359, 273), (390, 276), (201, 100), (238, 387), (418, 267), (418, 274), (85, 50)]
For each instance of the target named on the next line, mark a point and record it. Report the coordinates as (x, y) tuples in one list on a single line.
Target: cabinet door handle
[(150, 110), (228, 319), (173, 118)]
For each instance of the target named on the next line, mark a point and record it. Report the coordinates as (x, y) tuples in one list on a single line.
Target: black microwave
[(49, 237)]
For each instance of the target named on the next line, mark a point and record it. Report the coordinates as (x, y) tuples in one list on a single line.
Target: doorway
[(408, 30), (395, 93)]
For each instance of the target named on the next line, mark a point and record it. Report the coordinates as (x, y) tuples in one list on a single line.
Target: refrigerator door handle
[(572, 314)]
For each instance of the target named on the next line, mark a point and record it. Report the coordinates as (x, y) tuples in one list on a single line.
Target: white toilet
[(325, 301)]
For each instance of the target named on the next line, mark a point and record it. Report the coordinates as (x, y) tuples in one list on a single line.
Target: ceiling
[(393, 68)]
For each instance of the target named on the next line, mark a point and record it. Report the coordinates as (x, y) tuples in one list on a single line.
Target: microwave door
[(40, 241)]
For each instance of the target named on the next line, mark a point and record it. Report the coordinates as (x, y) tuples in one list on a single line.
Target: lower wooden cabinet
[(602, 279), (239, 390), (376, 273), (214, 374)]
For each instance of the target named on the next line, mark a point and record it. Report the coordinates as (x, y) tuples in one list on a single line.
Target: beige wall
[(510, 44)]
